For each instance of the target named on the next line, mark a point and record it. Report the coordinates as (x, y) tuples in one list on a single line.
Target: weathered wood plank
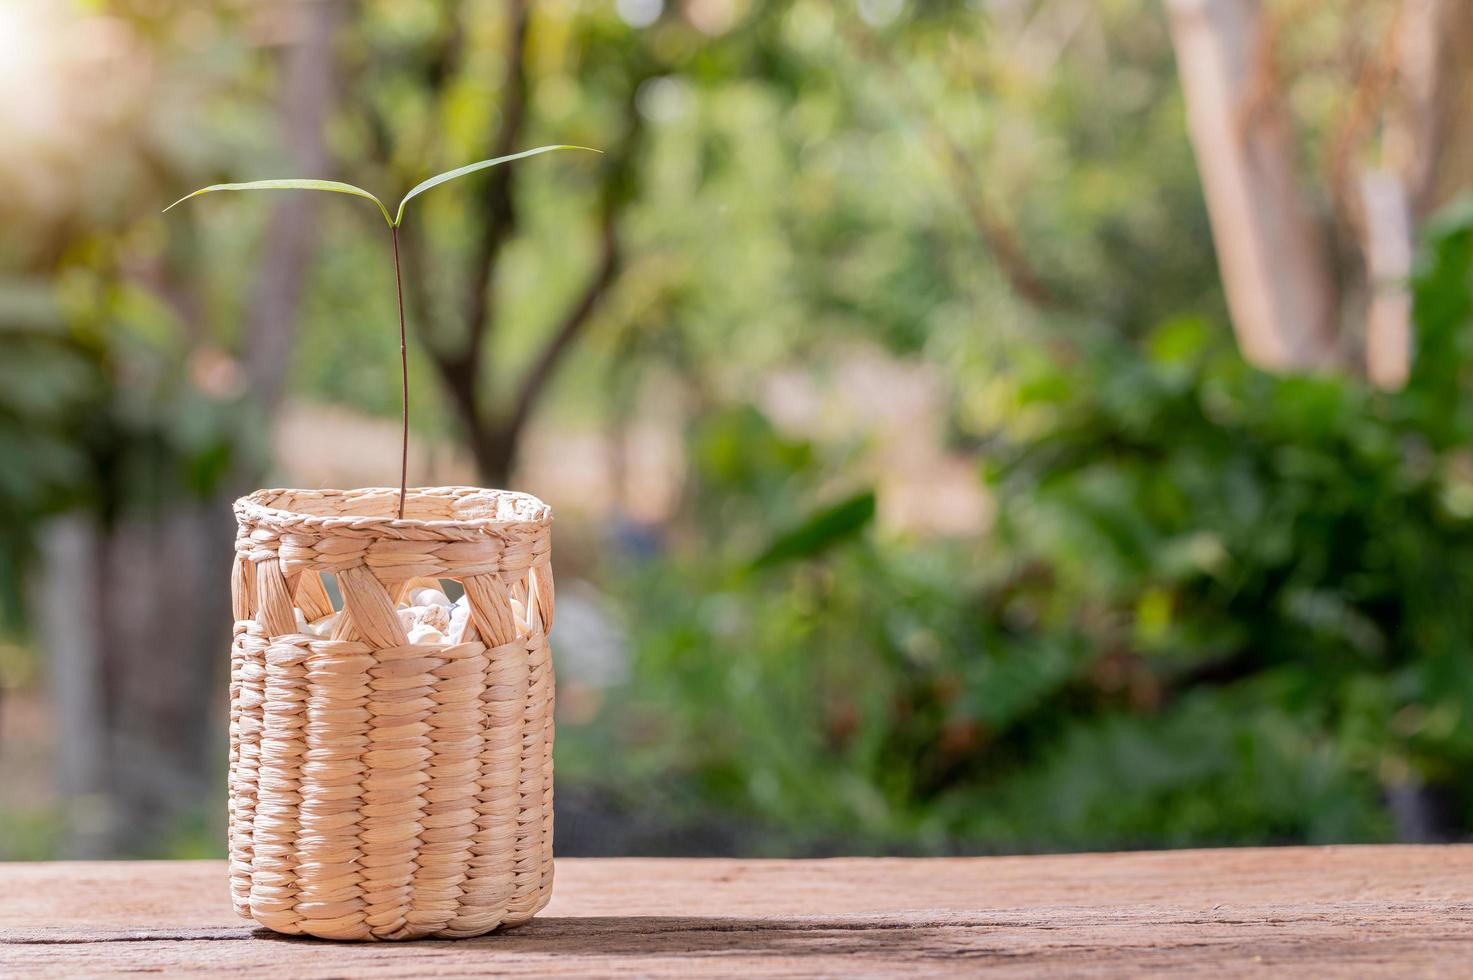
[(1352, 911)]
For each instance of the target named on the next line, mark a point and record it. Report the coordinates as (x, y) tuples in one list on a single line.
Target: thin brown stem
[(403, 377)]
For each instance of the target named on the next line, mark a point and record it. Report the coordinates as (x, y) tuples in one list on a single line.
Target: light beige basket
[(381, 789)]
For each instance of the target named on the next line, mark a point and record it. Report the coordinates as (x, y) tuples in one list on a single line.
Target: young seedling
[(338, 187)]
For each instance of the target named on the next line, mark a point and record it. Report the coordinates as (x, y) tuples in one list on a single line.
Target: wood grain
[(1334, 911)]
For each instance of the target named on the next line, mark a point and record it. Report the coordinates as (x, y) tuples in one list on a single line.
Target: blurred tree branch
[(574, 321), (996, 234), (497, 217), (493, 429)]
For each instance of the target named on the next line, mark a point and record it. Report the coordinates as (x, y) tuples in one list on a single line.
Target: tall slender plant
[(393, 221)]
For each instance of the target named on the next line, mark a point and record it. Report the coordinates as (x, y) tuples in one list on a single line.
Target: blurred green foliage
[(1218, 607)]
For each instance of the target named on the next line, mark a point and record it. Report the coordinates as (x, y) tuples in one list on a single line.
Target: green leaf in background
[(293, 184), (471, 168), (823, 529)]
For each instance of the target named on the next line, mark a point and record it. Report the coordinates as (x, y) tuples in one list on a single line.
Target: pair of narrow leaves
[(338, 187)]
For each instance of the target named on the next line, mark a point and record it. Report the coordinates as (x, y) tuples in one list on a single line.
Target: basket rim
[(253, 508)]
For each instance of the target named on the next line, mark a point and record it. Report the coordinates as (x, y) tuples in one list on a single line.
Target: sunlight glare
[(27, 81)]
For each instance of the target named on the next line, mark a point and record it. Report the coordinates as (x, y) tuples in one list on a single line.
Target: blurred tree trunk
[(65, 603), (1387, 241), (1274, 261), (307, 98), (136, 610), (1427, 155), (1430, 133), (163, 640), (136, 650)]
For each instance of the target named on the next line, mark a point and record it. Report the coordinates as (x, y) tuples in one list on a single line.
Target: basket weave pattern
[(381, 789)]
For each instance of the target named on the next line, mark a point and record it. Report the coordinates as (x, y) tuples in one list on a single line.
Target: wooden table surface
[(1353, 911)]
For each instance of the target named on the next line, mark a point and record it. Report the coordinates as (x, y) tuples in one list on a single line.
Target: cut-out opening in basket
[(432, 611)]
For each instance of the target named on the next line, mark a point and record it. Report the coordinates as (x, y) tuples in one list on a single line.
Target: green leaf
[(292, 184), (471, 168), (821, 530)]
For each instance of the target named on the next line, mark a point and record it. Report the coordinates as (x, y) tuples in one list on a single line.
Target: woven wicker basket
[(381, 789)]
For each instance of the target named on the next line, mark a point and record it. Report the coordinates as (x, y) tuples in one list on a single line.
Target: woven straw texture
[(381, 789)]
